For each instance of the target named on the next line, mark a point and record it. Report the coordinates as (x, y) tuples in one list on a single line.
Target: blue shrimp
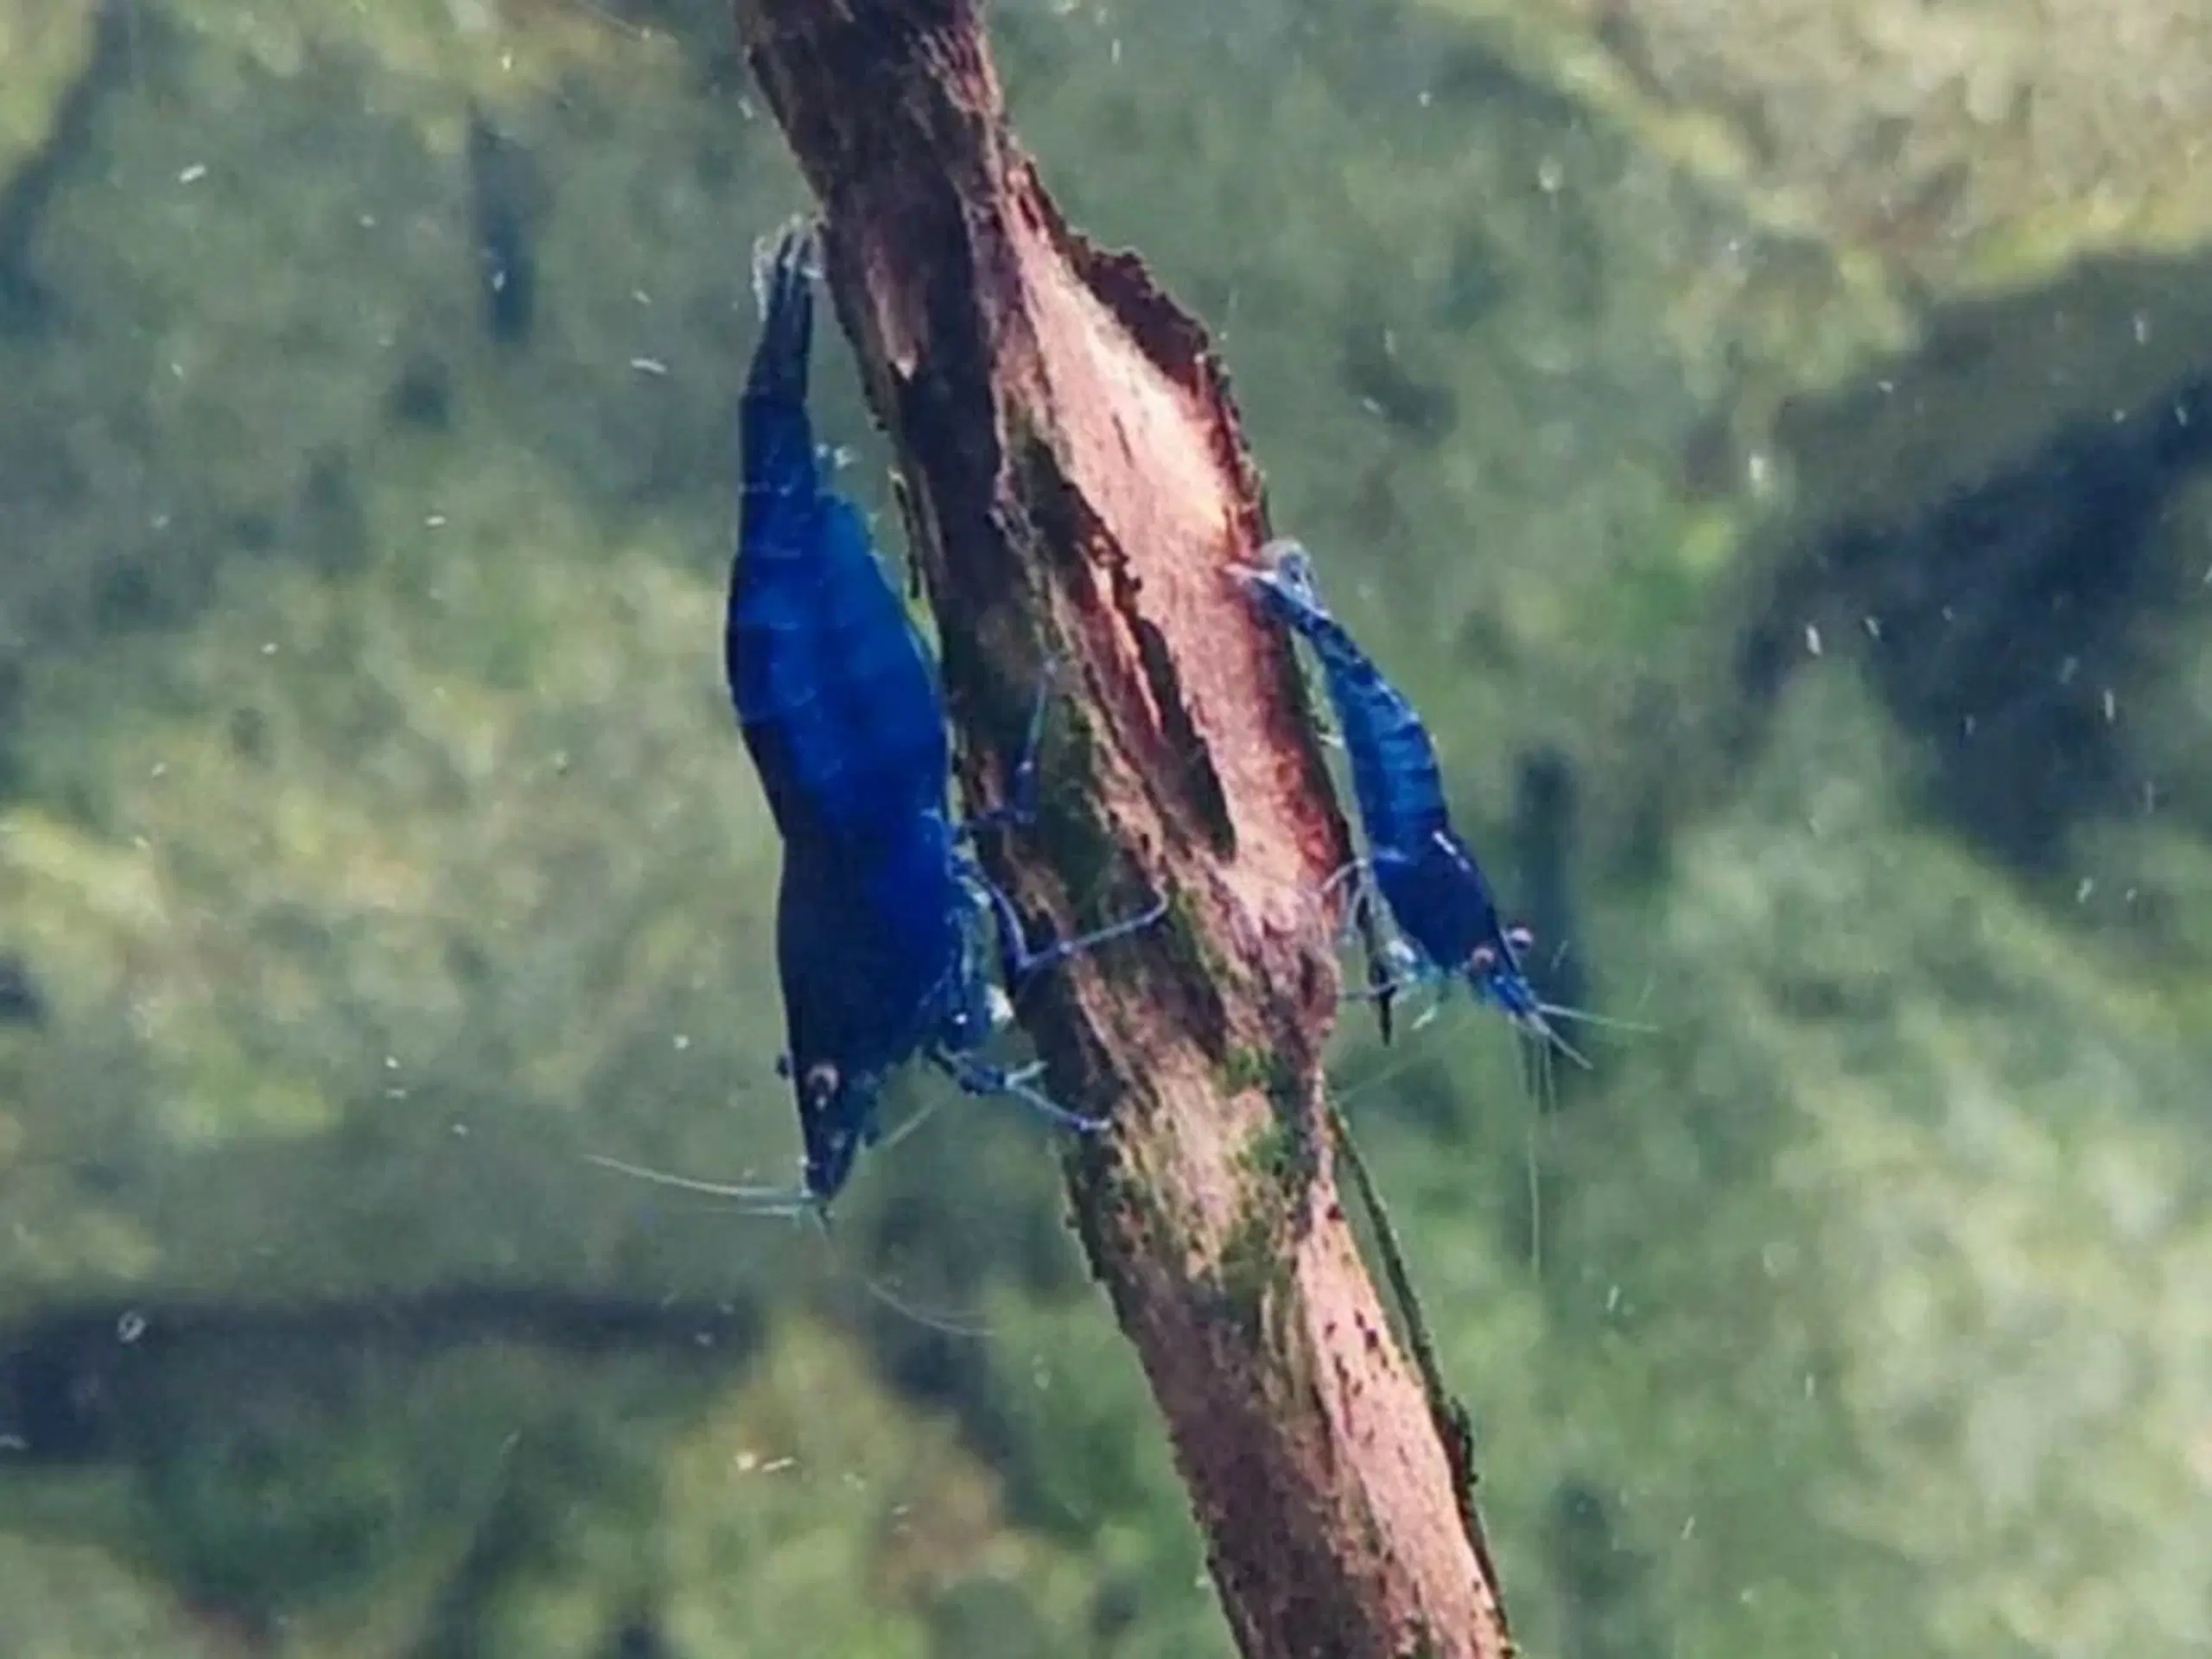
[(882, 910), (1427, 876)]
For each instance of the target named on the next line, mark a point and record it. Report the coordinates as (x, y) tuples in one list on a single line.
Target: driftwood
[(1074, 480)]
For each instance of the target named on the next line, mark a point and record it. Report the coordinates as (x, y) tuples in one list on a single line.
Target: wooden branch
[(1074, 480)]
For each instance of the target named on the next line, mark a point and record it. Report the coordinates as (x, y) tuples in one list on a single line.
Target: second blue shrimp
[(1425, 872)]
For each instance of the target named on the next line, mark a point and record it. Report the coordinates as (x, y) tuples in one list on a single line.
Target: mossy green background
[(375, 845)]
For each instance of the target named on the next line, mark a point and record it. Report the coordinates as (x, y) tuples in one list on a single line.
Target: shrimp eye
[(821, 1082), (1519, 937)]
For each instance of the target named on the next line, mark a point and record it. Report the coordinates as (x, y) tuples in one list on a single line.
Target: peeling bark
[(1075, 480)]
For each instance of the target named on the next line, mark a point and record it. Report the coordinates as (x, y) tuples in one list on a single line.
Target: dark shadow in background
[(26, 302), (1989, 541), (1607, 1609), (71, 1379), (241, 1429)]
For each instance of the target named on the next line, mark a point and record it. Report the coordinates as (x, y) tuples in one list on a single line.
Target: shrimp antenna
[(950, 1323), (790, 1201), (1546, 1037), (1582, 1016), (1536, 1060), (796, 1204)]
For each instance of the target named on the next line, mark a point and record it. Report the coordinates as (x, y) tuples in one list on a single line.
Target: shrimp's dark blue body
[(881, 912), (859, 754), (1427, 875)]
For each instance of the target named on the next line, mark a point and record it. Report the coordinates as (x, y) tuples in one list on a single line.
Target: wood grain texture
[(1075, 480)]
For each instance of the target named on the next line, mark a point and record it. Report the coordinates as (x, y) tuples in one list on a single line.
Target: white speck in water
[(2111, 706), (436, 521), (2068, 669), (1873, 626), (2142, 329), (648, 366), (683, 1041), (2083, 888), (1425, 98), (641, 296), (1113, 50), (193, 173), (161, 769), (1550, 175), (130, 1326), (1966, 726), (269, 647), (1813, 639)]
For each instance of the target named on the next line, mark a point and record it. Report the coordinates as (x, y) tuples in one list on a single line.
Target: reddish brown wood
[(1075, 478)]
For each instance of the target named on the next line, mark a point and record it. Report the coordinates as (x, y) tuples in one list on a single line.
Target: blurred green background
[(1768, 442)]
